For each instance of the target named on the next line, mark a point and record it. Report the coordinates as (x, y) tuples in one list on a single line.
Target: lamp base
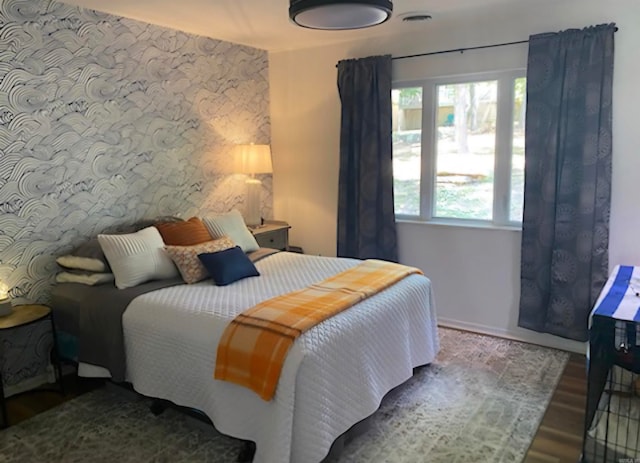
[(252, 214), (5, 309)]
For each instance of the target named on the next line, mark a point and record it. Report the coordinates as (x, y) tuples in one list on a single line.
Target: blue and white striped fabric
[(620, 297)]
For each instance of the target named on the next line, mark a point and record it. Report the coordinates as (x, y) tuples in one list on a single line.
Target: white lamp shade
[(253, 159)]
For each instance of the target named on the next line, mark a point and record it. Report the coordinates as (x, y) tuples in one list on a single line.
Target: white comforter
[(335, 375)]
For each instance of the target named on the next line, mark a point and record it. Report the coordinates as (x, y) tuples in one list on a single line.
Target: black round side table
[(24, 315)]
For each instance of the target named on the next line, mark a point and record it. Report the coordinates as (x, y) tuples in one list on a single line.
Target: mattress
[(335, 375)]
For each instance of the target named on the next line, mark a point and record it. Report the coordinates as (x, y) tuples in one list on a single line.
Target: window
[(458, 148)]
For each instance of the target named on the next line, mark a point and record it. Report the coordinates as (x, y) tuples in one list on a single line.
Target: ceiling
[(265, 23)]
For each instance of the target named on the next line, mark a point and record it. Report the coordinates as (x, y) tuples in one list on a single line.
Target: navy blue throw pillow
[(228, 266)]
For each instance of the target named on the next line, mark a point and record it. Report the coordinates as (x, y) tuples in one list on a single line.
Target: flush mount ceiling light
[(339, 14)]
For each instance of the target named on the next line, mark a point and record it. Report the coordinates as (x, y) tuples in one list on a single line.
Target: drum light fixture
[(339, 14)]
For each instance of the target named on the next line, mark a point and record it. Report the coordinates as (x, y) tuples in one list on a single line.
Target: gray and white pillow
[(232, 225), (137, 257)]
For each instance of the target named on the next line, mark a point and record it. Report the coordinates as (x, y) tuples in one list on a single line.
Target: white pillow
[(90, 279), (232, 225), (137, 257), (81, 263)]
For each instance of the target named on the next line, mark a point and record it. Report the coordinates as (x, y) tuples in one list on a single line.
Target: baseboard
[(540, 339)]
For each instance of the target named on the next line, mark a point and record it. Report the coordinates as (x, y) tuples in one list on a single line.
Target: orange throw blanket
[(254, 346)]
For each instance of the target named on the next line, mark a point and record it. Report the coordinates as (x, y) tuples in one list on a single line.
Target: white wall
[(475, 272)]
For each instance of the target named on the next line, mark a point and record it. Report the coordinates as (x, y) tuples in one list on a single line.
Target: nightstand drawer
[(276, 239)]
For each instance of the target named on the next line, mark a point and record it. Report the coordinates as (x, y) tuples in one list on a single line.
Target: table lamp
[(251, 160), (5, 301)]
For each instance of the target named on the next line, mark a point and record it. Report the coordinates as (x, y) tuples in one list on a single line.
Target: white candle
[(5, 302)]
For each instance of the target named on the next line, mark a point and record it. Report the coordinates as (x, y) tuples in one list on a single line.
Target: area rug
[(480, 401)]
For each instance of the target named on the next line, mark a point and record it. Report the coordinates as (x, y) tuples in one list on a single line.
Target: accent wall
[(105, 121)]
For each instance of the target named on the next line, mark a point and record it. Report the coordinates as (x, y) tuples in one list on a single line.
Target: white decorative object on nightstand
[(5, 301)]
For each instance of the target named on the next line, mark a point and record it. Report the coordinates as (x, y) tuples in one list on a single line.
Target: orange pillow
[(186, 233)]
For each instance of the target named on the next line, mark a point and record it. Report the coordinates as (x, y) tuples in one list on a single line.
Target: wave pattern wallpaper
[(105, 121)]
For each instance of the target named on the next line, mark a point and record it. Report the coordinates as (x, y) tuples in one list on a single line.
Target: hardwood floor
[(26, 405), (559, 437)]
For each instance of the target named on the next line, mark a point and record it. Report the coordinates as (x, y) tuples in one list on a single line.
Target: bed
[(335, 375)]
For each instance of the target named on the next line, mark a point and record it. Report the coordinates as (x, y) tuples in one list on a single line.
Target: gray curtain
[(366, 220), (565, 229)]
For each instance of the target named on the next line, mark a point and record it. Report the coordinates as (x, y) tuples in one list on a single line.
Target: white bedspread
[(335, 375)]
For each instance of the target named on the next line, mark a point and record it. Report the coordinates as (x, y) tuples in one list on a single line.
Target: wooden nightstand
[(24, 315), (273, 234)]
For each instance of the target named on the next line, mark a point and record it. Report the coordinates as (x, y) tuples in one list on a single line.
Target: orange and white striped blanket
[(254, 346)]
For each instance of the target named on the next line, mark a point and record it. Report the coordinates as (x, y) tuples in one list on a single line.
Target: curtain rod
[(454, 50), (462, 50)]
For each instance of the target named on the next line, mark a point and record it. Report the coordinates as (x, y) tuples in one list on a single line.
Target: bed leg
[(247, 452), (158, 406)]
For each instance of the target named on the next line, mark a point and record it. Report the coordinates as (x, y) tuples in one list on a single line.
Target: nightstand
[(24, 315), (273, 234)]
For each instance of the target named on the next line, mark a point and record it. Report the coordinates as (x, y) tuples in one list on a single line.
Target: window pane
[(465, 150), (517, 156), (407, 135)]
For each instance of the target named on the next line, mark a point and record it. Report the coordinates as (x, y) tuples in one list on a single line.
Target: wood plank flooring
[(26, 405), (559, 437)]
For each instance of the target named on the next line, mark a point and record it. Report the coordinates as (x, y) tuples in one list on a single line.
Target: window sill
[(461, 224)]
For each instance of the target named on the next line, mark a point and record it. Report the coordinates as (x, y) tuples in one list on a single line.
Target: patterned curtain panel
[(565, 229), (366, 220)]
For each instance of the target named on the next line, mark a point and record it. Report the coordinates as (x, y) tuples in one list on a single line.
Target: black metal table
[(613, 368), (24, 315)]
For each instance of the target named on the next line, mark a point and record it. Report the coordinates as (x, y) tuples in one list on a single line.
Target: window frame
[(503, 147)]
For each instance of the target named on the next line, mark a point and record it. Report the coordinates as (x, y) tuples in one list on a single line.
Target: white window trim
[(502, 169)]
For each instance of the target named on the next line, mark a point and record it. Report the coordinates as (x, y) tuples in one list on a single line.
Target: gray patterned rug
[(480, 401)]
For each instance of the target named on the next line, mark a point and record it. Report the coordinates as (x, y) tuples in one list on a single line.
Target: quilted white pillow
[(137, 257), (232, 225)]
